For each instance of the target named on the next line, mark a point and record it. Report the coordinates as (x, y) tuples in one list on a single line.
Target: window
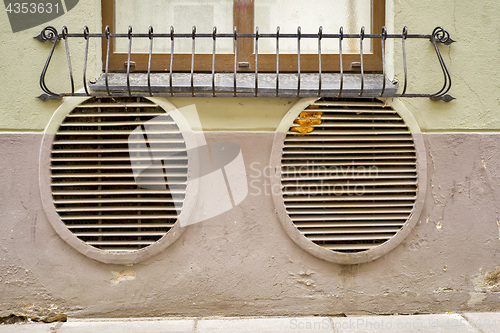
[(245, 15)]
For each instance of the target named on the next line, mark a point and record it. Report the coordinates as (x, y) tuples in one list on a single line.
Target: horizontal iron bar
[(166, 94), (229, 35)]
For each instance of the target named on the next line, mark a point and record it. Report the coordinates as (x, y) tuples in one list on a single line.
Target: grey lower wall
[(243, 263)]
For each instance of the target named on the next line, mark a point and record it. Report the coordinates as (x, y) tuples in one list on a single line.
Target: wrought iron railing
[(169, 88)]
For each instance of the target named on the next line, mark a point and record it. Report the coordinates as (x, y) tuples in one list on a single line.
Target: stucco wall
[(23, 61), (470, 61), (243, 263)]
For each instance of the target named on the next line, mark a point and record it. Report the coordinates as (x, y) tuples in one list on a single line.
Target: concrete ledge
[(274, 325), (223, 84), (484, 321), (488, 322)]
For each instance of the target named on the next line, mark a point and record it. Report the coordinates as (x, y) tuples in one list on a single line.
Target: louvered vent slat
[(348, 198), (114, 104), (357, 125), (146, 158), (110, 132), (346, 139), (110, 166), (120, 234), (357, 131), (119, 183), (93, 184), (115, 208), (134, 199), (326, 145), (111, 142), (94, 122), (349, 174), (370, 224), (345, 162), (347, 205), (118, 226), (342, 210), (361, 230), (171, 175), (129, 243)]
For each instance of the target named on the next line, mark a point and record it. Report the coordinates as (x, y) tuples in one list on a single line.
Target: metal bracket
[(46, 97)]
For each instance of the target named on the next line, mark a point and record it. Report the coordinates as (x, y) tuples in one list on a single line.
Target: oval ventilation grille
[(349, 174), (93, 184)]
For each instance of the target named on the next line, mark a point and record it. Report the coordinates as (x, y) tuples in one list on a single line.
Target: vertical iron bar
[(256, 60), (361, 37), (442, 36), (129, 36), (235, 60), (320, 36), (193, 34), (403, 38), (277, 59), (341, 37), (46, 34), (150, 36), (86, 36), (171, 59), (65, 37), (383, 38), (108, 33), (298, 60), (214, 35)]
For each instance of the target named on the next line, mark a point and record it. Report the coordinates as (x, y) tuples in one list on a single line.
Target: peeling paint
[(306, 273), (484, 283), (125, 275), (498, 223), (444, 290), (493, 278), (356, 291), (40, 314), (307, 282), (439, 225)]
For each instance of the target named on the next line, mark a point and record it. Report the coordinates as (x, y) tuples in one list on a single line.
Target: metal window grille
[(253, 83)]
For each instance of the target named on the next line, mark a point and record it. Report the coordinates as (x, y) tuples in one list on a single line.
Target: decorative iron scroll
[(439, 35)]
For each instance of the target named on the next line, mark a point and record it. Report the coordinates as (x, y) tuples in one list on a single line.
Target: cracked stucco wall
[(243, 263)]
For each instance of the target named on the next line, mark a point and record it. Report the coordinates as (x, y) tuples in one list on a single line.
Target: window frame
[(244, 22)]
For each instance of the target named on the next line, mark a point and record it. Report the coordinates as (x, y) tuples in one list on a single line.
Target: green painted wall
[(23, 59), (471, 61)]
